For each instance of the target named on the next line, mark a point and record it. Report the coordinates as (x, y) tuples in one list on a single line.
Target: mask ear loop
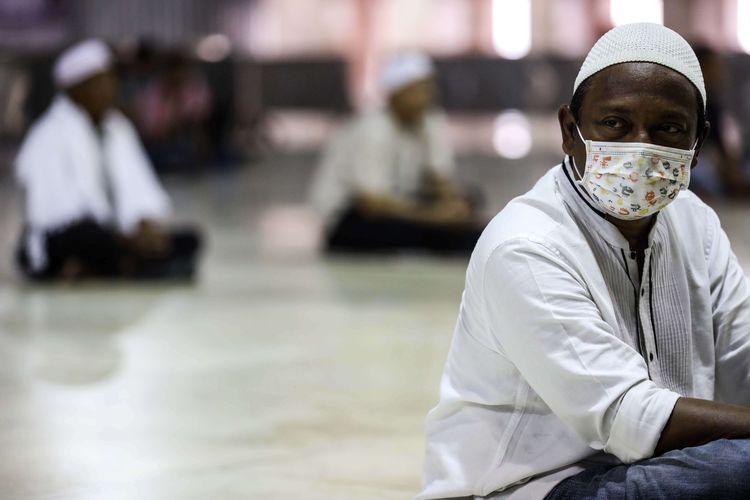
[(689, 169), (573, 160)]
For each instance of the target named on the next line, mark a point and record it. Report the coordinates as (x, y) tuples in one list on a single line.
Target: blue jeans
[(717, 470)]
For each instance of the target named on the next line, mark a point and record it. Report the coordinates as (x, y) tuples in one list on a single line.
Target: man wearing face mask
[(603, 344)]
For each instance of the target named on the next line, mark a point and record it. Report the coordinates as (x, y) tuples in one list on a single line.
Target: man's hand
[(438, 212), (442, 189), (448, 212)]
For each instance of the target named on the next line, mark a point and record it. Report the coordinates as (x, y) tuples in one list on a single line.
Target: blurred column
[(481, 10), (569, 27), (707, 21), (449, 27), (362, 55), (601, 20), (739, 31), (678, 16), (539, 34)]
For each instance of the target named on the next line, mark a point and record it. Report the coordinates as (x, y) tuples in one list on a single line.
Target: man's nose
[(641, 134)]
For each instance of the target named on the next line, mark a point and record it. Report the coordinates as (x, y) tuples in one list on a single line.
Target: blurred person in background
[(173, 110), (602, 348), (386, 181), (720, 172), (138, 68), (93, 206)]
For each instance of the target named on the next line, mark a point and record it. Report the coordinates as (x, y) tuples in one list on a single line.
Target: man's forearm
[(697, 421)]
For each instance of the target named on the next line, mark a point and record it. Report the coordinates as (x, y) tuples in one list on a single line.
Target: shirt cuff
[(643, 413)]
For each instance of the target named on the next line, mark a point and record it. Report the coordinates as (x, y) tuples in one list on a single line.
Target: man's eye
[(671, 128), (612, 122)]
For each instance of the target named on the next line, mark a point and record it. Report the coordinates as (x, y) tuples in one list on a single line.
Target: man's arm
[(696, 421), (443, 212), (544, 318)]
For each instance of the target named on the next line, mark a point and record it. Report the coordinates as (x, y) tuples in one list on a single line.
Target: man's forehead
[(645, 79)]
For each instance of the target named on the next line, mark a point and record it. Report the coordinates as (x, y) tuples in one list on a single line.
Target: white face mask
[(632, 180)]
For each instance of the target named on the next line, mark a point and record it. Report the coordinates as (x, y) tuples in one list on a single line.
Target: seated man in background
[(602, 348), (386, 181), (93, 206), (720, 173)]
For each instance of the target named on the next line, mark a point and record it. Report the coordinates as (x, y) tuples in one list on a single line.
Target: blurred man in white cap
[(386, 181), (93, 206), (602, 348)]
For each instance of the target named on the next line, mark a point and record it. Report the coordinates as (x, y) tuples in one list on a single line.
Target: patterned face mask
[(632, 180)]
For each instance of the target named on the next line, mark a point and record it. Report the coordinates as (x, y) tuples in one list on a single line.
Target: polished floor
[(279, 374)]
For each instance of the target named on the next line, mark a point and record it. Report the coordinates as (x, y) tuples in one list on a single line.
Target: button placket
[(644, 310)]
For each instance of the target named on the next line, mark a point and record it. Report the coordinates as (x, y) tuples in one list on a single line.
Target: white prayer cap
[(643, 42), (404, 69), (81, 61)]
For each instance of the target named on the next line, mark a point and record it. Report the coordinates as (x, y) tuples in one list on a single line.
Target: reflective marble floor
[(279, 374)]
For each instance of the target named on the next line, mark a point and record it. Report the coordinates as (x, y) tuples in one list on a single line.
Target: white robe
[(372, 154), (61, 169)]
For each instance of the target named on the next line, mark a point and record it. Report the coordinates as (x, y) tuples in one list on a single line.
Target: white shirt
[(69, 172), (375, 155), (562, 355)]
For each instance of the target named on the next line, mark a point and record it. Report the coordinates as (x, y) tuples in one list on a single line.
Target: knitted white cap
[(405, 68), (643, 42), (81, 61)]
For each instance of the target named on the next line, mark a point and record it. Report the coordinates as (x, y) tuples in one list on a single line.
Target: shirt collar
[(584, 210)]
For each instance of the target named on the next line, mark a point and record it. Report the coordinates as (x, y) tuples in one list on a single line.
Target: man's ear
[(701, 139), (567, 128)]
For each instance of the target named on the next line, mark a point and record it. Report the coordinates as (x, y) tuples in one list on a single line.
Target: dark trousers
[(101, 252), (358, 233), (717, 470)]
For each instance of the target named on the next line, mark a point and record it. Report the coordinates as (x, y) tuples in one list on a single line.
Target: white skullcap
[(405, 68), (81, 61), (643, 42)]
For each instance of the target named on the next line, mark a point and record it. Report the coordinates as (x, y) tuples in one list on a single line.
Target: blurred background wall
[(280, 74)]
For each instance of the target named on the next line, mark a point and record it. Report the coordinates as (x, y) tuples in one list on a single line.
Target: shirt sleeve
[(730, 299), (547, 323), (440, 151), (140, 195), (50, 199), (329, 193), (372, 154)]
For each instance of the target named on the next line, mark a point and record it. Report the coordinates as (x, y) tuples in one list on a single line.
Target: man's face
[(412, 102), (634, 102), (96, 94)]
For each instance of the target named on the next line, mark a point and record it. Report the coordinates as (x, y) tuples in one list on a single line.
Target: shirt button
[(643, 292), (651, 356)]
